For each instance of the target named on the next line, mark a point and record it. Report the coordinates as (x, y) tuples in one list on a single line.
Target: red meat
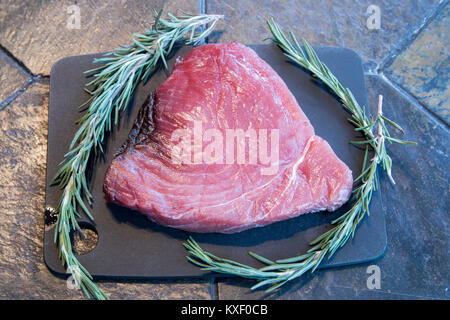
[(177, 180)]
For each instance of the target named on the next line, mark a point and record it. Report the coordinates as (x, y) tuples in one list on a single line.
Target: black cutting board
[(131, 246)]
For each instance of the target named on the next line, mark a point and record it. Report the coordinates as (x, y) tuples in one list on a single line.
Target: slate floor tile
[(324, 22), (415, 265), (39, 33), (417, 206), (23, 274), (423, 68), (11, 78)]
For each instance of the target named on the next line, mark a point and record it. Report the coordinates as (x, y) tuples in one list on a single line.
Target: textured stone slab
[(11, 78), (424, 67), (415, 265), (324, 22), (37, 32), (23, 274)]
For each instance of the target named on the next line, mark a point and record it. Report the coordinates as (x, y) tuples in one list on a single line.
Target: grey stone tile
[(423, 68), (324, 22), (23, 274), (417, 206), (37, 33), (415, 265), (11, 78)]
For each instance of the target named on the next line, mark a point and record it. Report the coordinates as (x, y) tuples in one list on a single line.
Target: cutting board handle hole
[(85, 241)]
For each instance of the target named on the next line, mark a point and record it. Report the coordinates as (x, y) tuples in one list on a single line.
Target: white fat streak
[(294, 172), (291, 179), (300, 160)]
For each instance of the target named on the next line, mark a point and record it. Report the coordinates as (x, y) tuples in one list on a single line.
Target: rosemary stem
[(283, 270), (114, 84)]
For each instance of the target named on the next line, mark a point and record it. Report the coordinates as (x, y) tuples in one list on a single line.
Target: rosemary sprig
[(277, 273), (114, 84)]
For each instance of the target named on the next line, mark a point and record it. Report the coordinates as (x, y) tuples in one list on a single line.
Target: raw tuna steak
[(223, 146)]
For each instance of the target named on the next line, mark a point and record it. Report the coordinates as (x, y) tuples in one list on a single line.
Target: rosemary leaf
[(114, 84), (283, 270)]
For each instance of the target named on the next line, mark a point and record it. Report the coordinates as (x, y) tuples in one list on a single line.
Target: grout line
[(32, 78), (397, 87), (15, 62), (214, 289), (409, 38), (19, 91), (203, 10), (202, 6)]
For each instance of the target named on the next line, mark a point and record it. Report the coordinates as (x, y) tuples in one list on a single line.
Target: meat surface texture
[(216, 90)]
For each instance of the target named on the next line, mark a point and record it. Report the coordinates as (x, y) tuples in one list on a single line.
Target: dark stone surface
[(423, 68), (23, 274), (415, 265), (324, 22), (12, 78), (36, 32)]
